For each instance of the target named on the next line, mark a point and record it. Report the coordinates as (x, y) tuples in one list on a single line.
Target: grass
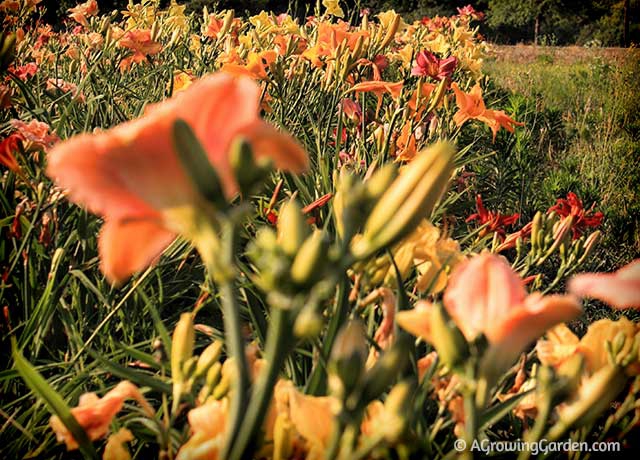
[(588, 129)]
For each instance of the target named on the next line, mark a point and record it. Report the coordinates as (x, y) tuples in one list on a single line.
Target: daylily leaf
[(39, 385)]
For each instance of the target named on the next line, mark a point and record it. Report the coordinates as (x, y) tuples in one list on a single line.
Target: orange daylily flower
[(80, 12), (485, 296), (132, 177), (256, 66), (379, 88), (95, 414), (140, 42), (620, 289), (471, 106), (208, 423), (561, 344)]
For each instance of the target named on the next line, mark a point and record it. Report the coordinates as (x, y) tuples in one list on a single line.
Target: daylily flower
[(8, 146), (333, 8), (140, 42), (620, 289), (132, 177), (494, 221), (428, 65), (80, 12), (208, 423), (379, 88), (115, 448), (485, 296), (561, 344), (35, 134), (582, 219), (95, 414), (471, 106)]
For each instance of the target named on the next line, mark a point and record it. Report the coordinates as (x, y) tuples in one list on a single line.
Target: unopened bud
[(448, 340), (227, 23), (396, 407), (391, 31), (309, 263), (409, 199), (292, 229), (589, 245), (208, 357), (386, 370), (348, 357), (308, 324)]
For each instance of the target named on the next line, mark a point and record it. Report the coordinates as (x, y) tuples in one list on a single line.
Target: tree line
[(551, 22)]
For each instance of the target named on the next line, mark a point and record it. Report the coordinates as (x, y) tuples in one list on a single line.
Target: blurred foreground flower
[(620, 289), (95, 414), (485, 296), (131, 174)]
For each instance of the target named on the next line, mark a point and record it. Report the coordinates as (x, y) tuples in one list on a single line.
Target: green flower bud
[(410, 198), (309, 263), (208, 357), (348, 358), (292, 230)]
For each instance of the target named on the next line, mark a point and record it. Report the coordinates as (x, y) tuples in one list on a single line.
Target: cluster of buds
[(292, 258), (188, 369), (356, 387)]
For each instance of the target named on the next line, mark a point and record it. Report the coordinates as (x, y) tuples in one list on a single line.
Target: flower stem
[(233, 336), (278, 337)]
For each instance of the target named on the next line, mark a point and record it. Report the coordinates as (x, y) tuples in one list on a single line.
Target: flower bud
[(308, 324), (593, 398), (386, 370), (292, 229), (348, 358), (589, 245), (248, 173), (410, 198), (397, 407), (309, 263), (380, 181), (448, 340), (182, 344), (226, 23), (208, 357)]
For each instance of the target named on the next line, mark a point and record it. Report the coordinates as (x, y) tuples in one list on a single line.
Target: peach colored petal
[(531, 320), (592, 344), (95, 414), (312, 417), (559, 345), (620, 289), (417, 321), (482, 290), (267, 142), (130, 245)]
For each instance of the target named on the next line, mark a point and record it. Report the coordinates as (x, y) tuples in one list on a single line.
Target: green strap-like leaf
[(495, 413), (53, 400)]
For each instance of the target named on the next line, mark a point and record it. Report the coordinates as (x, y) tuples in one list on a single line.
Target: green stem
[(234, 341), (316, 384), (537, 431), (278, 337), (470, 413)]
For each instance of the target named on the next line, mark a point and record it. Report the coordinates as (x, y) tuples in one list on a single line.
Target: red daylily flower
[(582, 219), (428, 65), (494, 221)]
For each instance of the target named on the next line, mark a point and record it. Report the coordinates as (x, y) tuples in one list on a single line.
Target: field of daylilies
[(229, 237)]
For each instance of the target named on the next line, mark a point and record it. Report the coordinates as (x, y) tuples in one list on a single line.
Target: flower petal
[(620, 289), (129, 245)]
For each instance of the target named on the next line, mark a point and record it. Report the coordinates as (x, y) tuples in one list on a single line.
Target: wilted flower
[(95, 414), (131, 174), (620, 289)]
